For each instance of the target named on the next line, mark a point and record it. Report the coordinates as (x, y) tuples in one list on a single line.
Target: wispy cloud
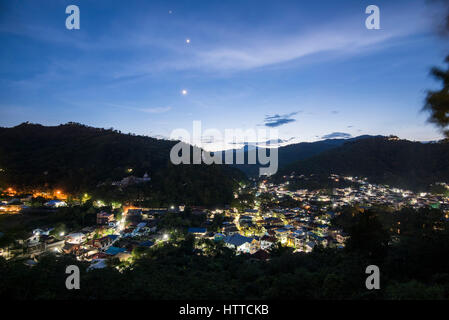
[(145, 110), (279, 120), (267, 50), (337, 135), (154, 110), (230, 51)]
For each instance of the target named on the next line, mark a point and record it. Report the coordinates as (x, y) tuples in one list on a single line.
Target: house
[(30, 263), (89, 232), (323, 229), (245, 219), (112, 251), (197, 231), (156, 212), (146, 244), (127, 181), (56, 204), (251, 211), (266, 242), (299, 241), (219, 237), (299, 234), (273, 221), (341, 237), (90, 252), (104, 242), (128, 232), (291, 240), (75, 238), (123, 256), (134, 215), (282, 234), (11, 208), (32, 239), (309, 246), (230, 229), (199, 212), (319, 240), (50, 243), (42, 232), (98, 255), (254, 245), (97, 264), (238, 242), (134, 212), (104, 218), (70, 248)]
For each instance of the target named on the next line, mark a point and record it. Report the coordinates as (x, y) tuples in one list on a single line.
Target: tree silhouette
[(437, 102)]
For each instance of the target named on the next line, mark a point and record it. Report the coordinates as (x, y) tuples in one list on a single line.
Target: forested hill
[(398, 163), (294, 152), (77, 157)]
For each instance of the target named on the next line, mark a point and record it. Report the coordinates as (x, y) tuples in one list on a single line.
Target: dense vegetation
[(437, 102), (77, 159), (293, 152), (413, 265), (399, 163)]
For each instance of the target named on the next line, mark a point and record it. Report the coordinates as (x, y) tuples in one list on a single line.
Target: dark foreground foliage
[(413, 265)]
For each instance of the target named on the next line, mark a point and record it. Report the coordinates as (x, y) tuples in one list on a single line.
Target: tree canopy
[(437, 102)]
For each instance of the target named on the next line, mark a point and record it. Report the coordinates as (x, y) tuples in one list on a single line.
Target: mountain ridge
[(77, 158), (385, 160)]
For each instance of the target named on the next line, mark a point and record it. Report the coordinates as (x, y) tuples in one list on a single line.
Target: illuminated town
[(254, 230)]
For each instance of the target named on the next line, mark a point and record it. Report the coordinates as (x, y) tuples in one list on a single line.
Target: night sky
[(308, 68)]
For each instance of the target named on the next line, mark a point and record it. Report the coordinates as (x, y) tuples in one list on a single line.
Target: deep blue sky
[(248, 63)]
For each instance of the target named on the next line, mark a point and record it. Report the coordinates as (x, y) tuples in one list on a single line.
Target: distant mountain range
[(400, 163), (386, 160), (292, 152), (76, 158)]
